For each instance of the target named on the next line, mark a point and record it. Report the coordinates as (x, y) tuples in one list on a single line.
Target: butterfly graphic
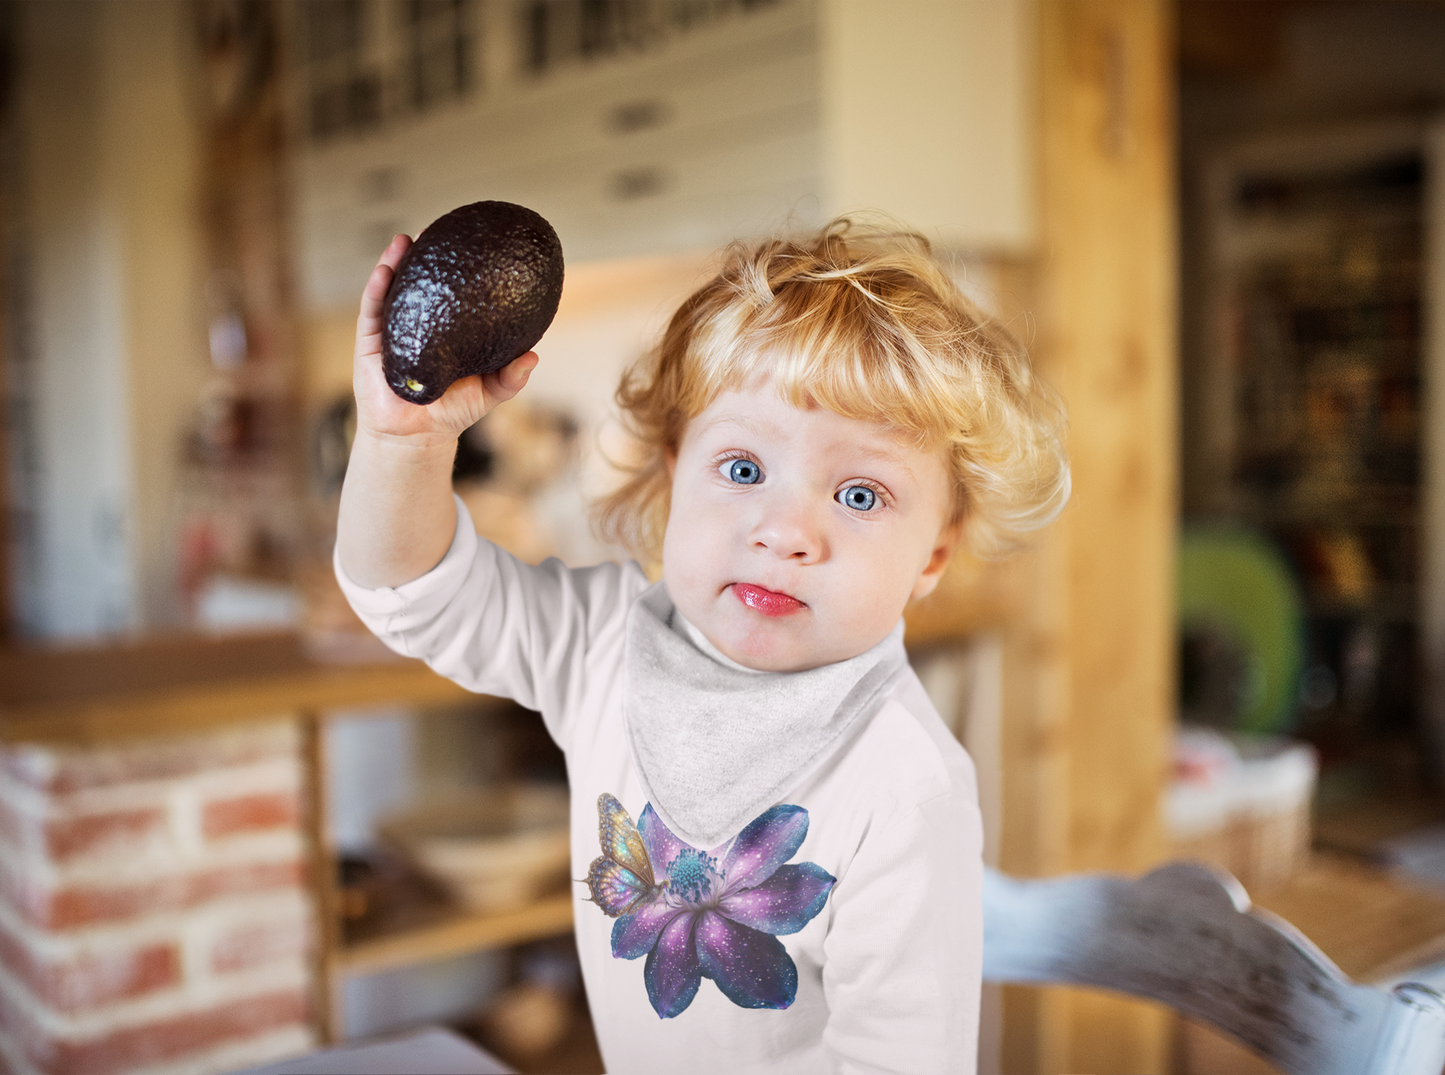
[(621, 878)]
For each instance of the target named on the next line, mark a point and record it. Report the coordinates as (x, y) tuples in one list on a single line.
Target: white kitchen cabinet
[(770, 114), (711, 136)]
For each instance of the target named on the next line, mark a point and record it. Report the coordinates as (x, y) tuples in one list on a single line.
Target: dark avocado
[(476, 289)]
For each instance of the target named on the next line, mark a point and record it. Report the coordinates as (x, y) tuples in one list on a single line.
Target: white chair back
[(1186, 936)]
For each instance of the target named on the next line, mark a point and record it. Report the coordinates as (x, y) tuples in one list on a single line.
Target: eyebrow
[(886, 455), (749, 425)]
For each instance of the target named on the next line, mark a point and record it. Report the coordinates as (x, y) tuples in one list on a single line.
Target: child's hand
[(381, 412)]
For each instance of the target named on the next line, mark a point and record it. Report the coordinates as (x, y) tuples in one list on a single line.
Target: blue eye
[(745, 472), (858, 497)]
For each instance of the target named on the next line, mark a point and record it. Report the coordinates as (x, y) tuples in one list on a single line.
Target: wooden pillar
[(1089, 665)]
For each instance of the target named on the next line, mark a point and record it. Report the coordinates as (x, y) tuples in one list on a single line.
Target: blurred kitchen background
[(233, 827)]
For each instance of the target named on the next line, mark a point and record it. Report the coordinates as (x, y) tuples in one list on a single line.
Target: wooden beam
[(1089, 666)]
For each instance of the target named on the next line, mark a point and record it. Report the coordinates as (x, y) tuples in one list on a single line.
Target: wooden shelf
[(190, 683), (453, 933)]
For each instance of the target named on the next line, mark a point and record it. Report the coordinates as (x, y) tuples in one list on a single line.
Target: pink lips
[(767, 602)]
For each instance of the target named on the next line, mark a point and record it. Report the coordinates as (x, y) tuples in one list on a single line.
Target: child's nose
[(790, 532)]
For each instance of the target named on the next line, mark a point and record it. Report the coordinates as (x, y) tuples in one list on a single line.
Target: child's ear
[(948, 539)]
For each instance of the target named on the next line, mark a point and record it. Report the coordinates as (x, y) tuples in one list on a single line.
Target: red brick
[(89, 980), (250, 813), (256, 943), (68, 838), (61, 839), (166, 1039), (78, 905)]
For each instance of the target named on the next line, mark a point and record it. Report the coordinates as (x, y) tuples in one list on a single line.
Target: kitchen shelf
[(440, 933)]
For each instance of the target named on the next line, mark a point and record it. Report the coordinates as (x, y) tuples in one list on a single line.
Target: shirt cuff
[(391, 609)]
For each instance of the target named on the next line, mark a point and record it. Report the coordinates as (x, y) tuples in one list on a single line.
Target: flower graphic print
[(707, 914)]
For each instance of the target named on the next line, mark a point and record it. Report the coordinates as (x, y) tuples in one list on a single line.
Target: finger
[(398, 246), (377, 283)]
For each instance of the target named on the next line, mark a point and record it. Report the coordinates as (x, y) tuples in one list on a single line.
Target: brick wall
[(153, 906)]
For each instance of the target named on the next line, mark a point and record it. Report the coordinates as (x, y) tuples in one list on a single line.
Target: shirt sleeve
[(497, 625), (904, 955)]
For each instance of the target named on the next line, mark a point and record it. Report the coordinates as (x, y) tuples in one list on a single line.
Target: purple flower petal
[(671, 972), (783, 904), (662, 846), (752, 969), (634, 934), (767, 842)]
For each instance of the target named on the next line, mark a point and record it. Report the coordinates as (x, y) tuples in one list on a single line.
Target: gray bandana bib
[(715, 743)]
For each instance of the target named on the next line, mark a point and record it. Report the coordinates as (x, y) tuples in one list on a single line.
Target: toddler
[(779, 839)]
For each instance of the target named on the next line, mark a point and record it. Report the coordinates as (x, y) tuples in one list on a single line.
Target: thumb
[(512, 377)]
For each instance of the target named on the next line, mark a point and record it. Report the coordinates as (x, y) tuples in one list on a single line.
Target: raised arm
[(397, 518)]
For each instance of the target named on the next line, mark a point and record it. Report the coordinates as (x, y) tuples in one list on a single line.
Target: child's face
[(796, 536)]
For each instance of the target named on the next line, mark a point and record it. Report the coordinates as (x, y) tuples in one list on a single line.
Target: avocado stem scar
[(414, 385)]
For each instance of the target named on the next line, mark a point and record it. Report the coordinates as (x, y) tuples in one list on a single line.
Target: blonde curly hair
[(862, 320)]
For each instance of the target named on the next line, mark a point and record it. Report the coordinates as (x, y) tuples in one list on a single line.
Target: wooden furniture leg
[(330, 1022)]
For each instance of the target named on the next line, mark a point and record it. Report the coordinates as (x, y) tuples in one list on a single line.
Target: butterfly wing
[(615, 888), (621, 842)]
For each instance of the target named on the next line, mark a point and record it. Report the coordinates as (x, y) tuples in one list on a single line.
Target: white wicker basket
[(493, 848)]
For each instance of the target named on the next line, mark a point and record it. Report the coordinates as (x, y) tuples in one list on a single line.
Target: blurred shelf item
[(425, 931), (492, 848), (1242, 803)]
